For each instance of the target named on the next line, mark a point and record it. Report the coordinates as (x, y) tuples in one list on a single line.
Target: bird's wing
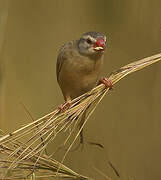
[(62, 56)]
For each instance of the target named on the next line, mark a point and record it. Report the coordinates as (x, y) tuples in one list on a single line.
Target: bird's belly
[(77, 78), (79, 85)]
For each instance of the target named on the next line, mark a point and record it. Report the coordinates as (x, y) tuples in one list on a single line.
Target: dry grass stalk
[(56, 122)]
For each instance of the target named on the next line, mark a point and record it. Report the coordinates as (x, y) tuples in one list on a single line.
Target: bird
[(78, 68), (79, 64)]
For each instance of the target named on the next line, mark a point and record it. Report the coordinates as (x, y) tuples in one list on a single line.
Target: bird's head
[(92, 43)]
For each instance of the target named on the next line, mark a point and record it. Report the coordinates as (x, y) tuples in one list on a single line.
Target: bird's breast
[(79, 75)]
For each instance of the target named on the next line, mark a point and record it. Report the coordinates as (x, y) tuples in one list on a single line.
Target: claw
[(106, 82), (65, 106)]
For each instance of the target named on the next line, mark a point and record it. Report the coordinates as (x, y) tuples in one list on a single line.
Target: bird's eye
[(89, 41)]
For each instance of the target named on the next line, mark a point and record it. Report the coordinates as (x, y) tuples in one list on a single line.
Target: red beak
[(100, 44)]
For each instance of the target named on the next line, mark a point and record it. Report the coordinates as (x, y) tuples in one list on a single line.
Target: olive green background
[(128, 121)]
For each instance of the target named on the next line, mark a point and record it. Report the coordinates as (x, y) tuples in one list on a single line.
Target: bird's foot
[(106, 82), (65, 106)]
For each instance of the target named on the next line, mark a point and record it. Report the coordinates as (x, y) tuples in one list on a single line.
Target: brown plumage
[(79, 64)]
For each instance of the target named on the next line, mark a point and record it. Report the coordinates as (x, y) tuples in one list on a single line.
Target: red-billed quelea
[(79, 64)]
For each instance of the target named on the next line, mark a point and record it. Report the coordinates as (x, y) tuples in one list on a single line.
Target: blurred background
[(128, 121)]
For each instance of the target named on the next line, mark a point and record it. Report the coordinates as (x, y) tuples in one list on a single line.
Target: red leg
[(106, 82), (63, 107)]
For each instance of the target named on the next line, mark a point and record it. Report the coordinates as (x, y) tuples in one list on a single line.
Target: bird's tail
[(82, 121)]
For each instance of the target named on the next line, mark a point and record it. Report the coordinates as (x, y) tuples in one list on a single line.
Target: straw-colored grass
[(29, 156)]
